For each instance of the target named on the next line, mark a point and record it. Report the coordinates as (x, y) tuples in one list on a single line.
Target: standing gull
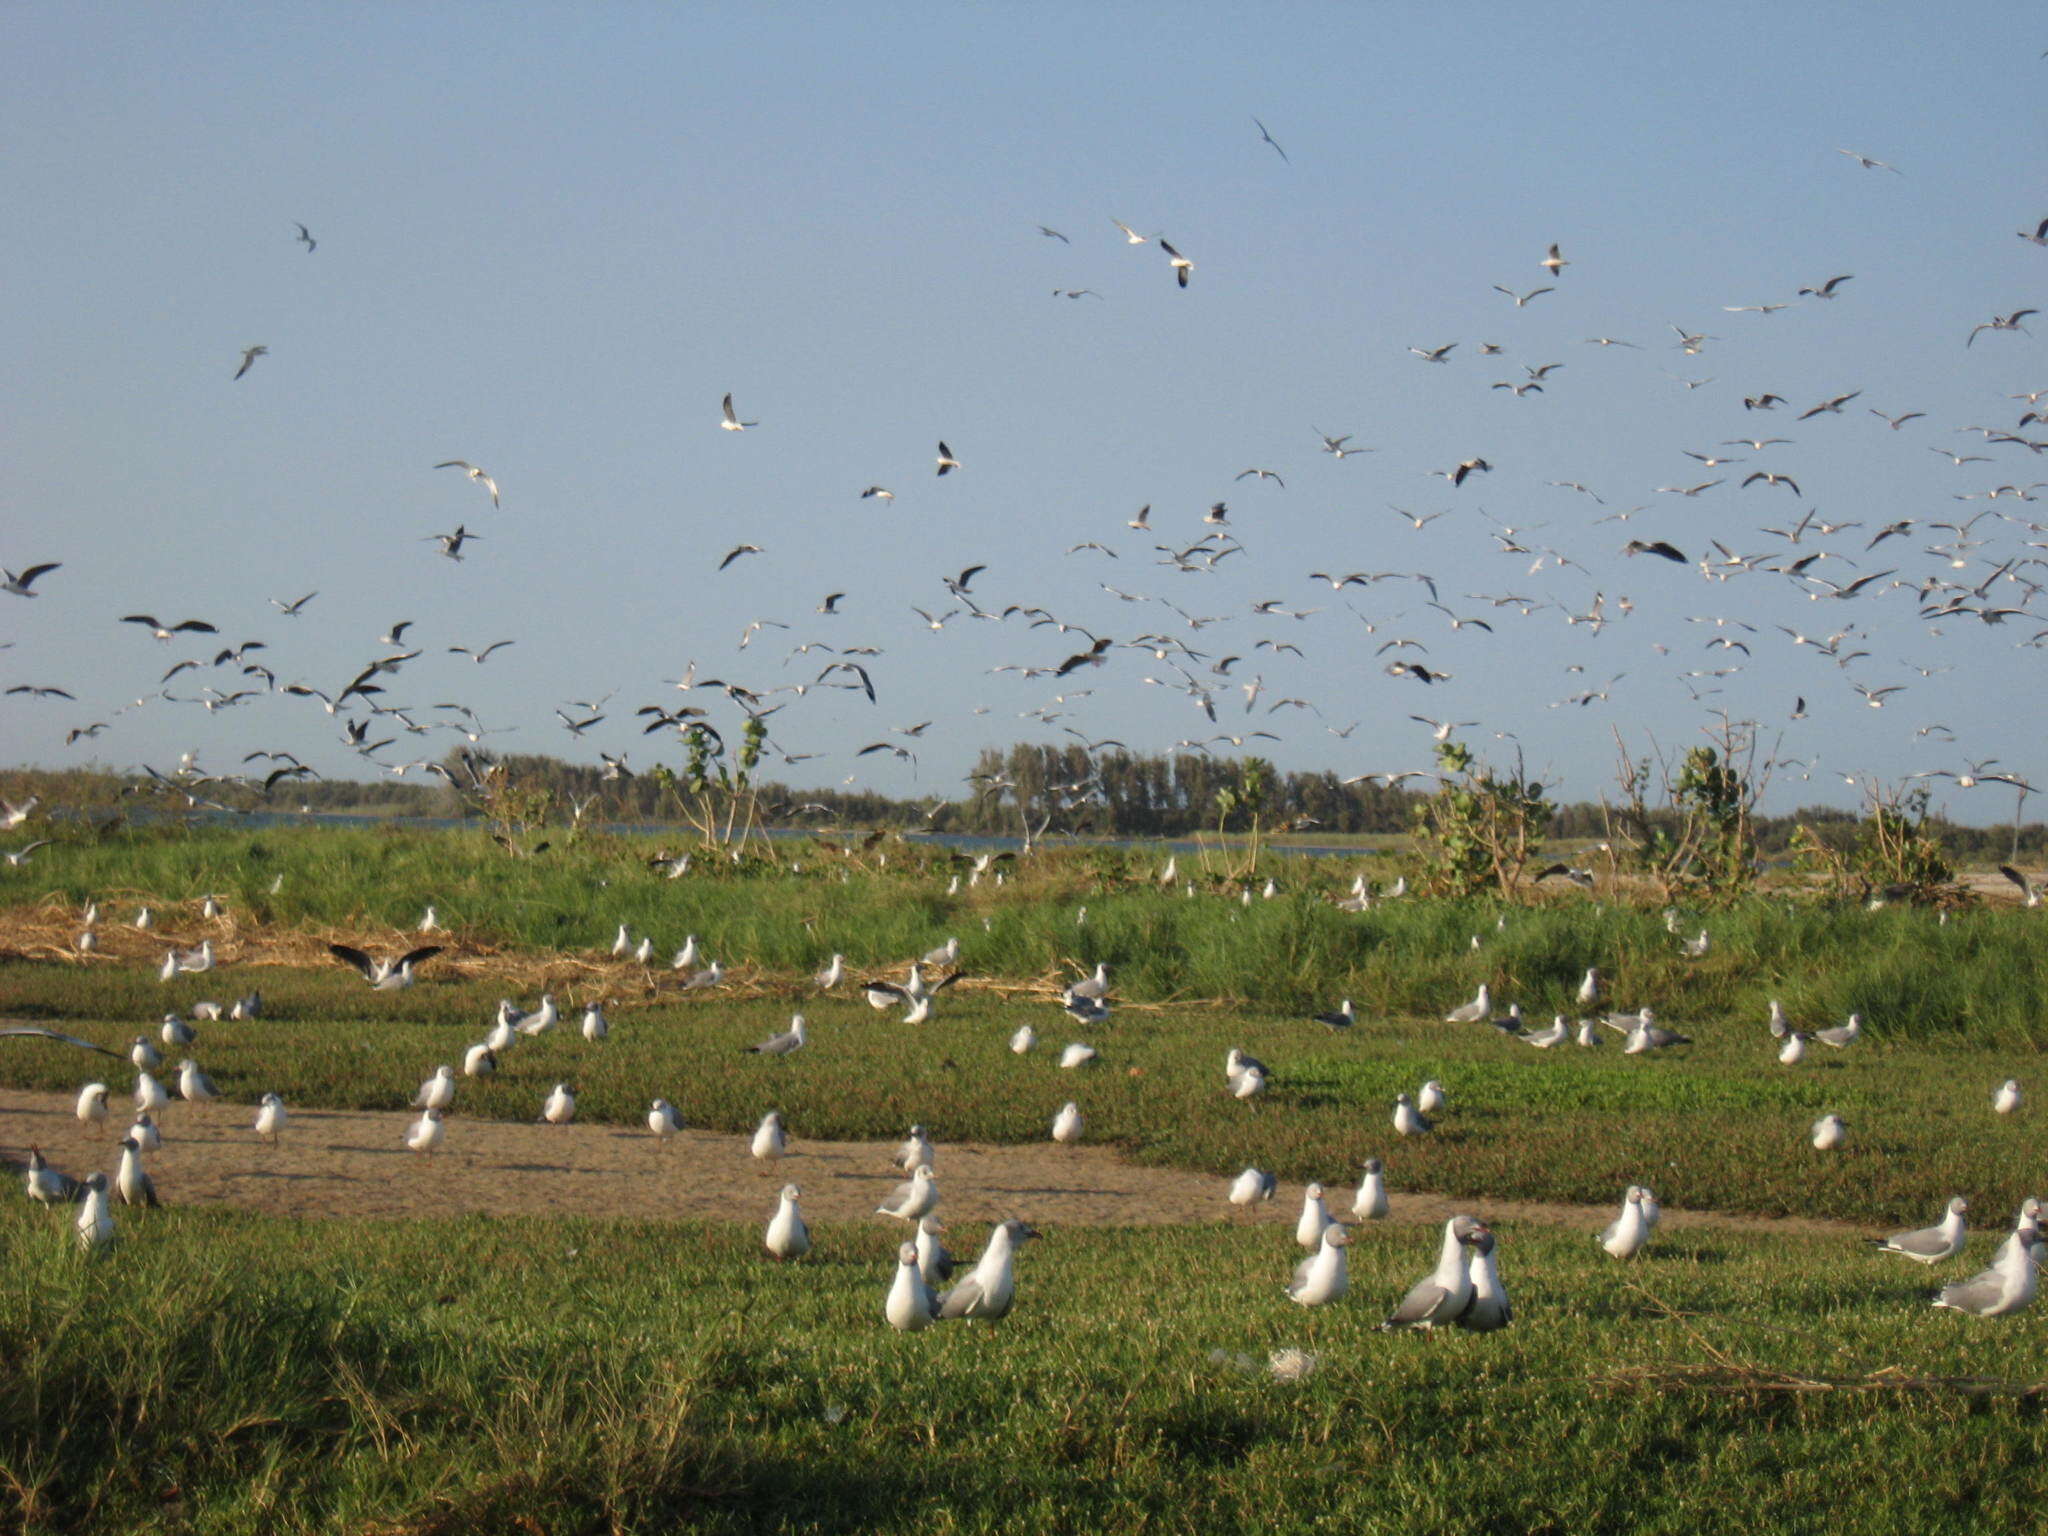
[(1930, 1245), (991, 1289), (787, 1236), (1446, 1292)]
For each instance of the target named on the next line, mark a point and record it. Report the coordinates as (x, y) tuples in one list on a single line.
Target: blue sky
[(551, 239)]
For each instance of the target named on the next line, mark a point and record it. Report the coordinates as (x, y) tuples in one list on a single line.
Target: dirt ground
[(343, 1163)]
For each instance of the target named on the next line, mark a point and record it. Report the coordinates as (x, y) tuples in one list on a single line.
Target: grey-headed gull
[(1325, 1276), (991, 1289), (1442, 1296), (1930, 1245), (787, 1236)]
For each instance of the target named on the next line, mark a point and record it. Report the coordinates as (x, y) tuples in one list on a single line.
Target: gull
[(386, 975), (1896, 422), (1131, 236), (1489, 1309), (1067, 1124), (132, 1183), (1930, 1245), (2006, 1287), (1827, 289), (45, 1184), (916, 1152), (832, 975), (480, 1060), (729, 418), (249, 356), (2007, 1097), (1543, 1040), (736, 552), (475, 474), (451, 543), (710, 976), (20, 582), (1465, 470), (1430, 1099), (1341, 1019), (1268, 138), (426, 1133), (1696, 948), (1326, 1276), (1251, 1187), (292, 609), (1588, 1035), (194, 1086), (1406, 1120), (482, 656), (1263, 474), (933, 1262), (1869, 164), (1335, 445), (1182, 267), (1370, 1203), (878, 493), (560, 1107), (141, 1053), (1250, 1083), (1553, 262), (1053, 234), (306, 238), (1522, 299), (177, 1032), (164, 631), (946, 460), (438, 1091), (910, 1304), (787, 1236), (1793, 1051), (1481, 1007), (991, 1289), (770, 1140), (95, 1222), (1771, 477), (1829, 1132), (1832, 405), (92, 1104), (149, 1094), (542, 1019), (2029, 895), (791, 1039), (1023, 1039), (688, 955), (2009, 322), (1841, 1034), (1315, 1219), (17, 857), (663, 1120), (1628, 1234), (1644, 1036), (1434, 354), (913, 1199), (1096, 986), (1445, 1294), (1077, 1055)]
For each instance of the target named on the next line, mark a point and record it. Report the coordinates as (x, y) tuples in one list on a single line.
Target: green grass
[(223, 1373), (1980, 975), (1719, 1125)]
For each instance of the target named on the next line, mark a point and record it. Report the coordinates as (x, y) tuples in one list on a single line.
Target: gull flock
[(1753, 545), (1465, 1288)]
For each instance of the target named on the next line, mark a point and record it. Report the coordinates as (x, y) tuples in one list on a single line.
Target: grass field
[(231, 1374), (227, 1372)]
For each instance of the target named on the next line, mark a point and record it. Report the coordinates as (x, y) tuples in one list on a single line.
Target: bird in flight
[(1553, 262), (2009, 322), (737, 551), (249, 356), (292, 609), (1522, 299), (306, 239), (731, 421), (1131, 236), (946, 460), (1869, 164), (1182, 266), (474, 473), (2039, 236), (164, 632), (1052, 234), (1827, 289), (1434, 354), (482, 656), (1270, 140), (20, 583)]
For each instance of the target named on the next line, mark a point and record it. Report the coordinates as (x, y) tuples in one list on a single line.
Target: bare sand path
[(349, 1163)]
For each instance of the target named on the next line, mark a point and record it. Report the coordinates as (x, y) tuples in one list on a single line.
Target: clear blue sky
[(551, 238)]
